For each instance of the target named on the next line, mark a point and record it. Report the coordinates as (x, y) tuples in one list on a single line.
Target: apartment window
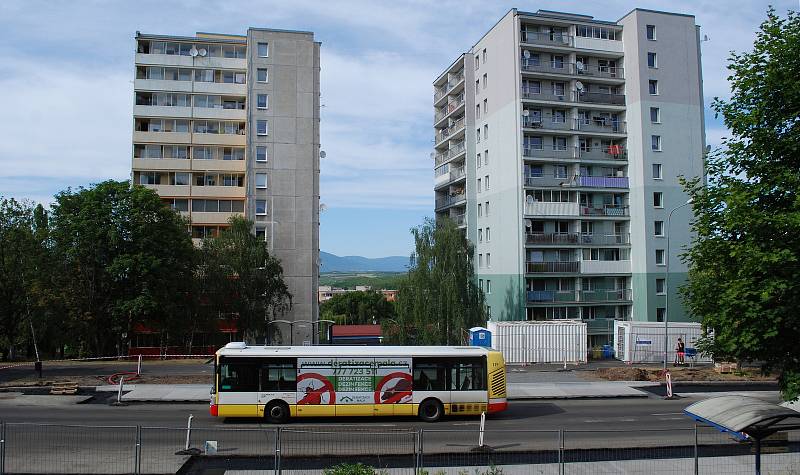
[(488, 235), (661, 286), (261, 153), (480, 284), (484, 55), (480, 260), (485, 106), (486, 157), (480, 235), (486, 208), (261, 233), (488, 259), (658, 199), (486, 132), (651, 60), (651, 32), (653, 84), (478, 135), (181, 179), (488, 286), (263, 50), (655, 143), (657, 171), (660, 257), (478, 111), (262, 75), (262, 101), (479, 185), (261, 127), (655, 115), (261, 207), (477, 86), (485, 80), (486, 182), (477, 62), (261, 180), (489, 312), (559, 143), (149, 178), (480, 210), (658, 228), (478, 161), (660, 313)]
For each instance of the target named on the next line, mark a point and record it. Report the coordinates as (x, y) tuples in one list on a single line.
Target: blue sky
[(66, 91)]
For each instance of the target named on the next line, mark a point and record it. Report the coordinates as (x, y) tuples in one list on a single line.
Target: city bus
[(278, 383)]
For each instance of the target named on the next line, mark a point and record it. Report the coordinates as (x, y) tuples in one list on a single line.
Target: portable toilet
[(479, 336)]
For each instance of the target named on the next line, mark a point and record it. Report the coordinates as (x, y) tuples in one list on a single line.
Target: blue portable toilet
[(479, 336)]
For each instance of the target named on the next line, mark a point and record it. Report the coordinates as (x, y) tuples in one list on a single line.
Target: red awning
[(355, 330)]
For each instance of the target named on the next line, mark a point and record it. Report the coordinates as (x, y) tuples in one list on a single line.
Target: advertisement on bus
[(353, 380)]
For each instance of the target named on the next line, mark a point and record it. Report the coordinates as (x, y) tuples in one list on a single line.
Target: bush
[(350, 469)]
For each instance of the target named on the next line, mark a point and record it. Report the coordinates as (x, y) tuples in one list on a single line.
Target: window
[(660, 257), (657, 171), (660, 313), (480, 210), (655, 143), (485, 106), (655, 115), (480, 261), (478, 111), (263, 50), (261, 180), (478, 135), (653, 84), (486, 182), (486, 132), (430, 374), (479, 185), (277, 375), (651, 60), (486, 208), (480, 284), (478, 161), (477, 86), (262, 101), (651, 32), (181, 179), (261, 153), (658, 199), (468, 375), (480, 235), (238, 375), (262, 75), (485, 80), (261, 207), (486, 157), (261, 233), (488, 286), (488, 235), (658, 228), (484, 55), (488, 259), (477, 62), (261, 127), (489, 312), (661, 286)]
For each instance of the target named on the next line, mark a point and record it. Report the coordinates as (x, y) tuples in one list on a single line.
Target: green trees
[(744, 275), (357, 308), (439, 297)]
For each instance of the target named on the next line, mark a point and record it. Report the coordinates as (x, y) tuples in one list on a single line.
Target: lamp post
[(666, 284)]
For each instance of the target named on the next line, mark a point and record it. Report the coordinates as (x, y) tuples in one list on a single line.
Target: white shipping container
[(643, 342), (540, 341)]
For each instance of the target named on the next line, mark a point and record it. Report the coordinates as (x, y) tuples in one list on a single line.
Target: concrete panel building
[(559, 143), (229, 124)]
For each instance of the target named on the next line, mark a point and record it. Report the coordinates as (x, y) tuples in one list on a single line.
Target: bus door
[(468, 393), (238, 387), (278, 382), (430, 380)]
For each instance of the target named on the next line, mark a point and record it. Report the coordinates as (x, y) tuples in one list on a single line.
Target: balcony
[(600, 125), (219, 165), (219, 139), (218, 191), (552, 296), (606, 267), (563, 267), (454, 128), (177, 191), (599, 98), (561, 239), (450, 200), (579, 296), (451, 107), (550, 181), (529, 122), (530, 65), (549, 152), (605, 295), (603, 181), (454, 81), (161, 164), (198, 217), (550, 67), (539, 95), (605, 72), (454, 151), (449, 177), (161, 137), (607, 210), (219, 113), (547, 208), (614, 152), (460, 220), (547, 38)]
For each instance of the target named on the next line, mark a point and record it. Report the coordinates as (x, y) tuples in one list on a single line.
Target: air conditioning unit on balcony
[(620, 173)]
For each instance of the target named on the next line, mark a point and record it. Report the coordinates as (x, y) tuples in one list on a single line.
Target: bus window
[(279, 376), (430, 376), (238, 376), (468, 376)]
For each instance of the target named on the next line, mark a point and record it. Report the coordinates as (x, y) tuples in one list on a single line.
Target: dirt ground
[(679, 373)]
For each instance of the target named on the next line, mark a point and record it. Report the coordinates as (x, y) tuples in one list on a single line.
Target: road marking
[(668, 414), (466, 423), (671, 418)]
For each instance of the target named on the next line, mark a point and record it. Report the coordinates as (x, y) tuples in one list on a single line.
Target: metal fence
[(68, 449)]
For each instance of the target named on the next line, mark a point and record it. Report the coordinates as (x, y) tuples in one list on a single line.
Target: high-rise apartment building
[(559, 143), (229, 124)]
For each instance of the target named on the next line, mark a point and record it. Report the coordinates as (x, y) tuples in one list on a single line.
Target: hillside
[(334, 263)]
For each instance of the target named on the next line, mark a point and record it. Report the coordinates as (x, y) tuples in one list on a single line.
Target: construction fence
[(72, 449)]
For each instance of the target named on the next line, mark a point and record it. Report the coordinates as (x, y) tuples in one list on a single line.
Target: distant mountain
[(333, 263)]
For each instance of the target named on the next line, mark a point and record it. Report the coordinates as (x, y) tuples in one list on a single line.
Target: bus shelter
[(746, 418)]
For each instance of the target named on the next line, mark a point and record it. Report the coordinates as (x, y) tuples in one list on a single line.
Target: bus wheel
[(430, 410), (277, 412)]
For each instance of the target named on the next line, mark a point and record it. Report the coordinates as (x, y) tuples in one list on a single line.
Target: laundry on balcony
[(615, 150)]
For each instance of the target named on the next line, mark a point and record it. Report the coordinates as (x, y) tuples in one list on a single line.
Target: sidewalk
[(161, 392)]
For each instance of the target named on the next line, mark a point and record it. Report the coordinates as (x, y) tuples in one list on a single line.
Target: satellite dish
[(322, 154), (529, 199), (528, 223), (322, 207), (579, 65), (432, 155), (579, 86), (193, 52), (202, 51), (526, 112), (526, 54)]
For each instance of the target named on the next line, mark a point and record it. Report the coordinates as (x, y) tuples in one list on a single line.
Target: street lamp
[(666, 284)]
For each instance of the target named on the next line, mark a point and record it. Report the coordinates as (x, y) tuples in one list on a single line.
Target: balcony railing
[(549, 152), (600, 295), (615, 152), (602, 125), (576, 238), (601, 72), (600, 98), (603, 181), (608, 210), (565, 267), (539, 123), (460, 219), (548, 296), (541, 95), (561, 67), (605, 295), (454, 151), (450, 200), (547, 38), (451, 84), (550, 180), (449, 108), (452, 129)]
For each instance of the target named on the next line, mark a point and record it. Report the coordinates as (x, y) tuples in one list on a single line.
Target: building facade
[(559, 143), (228, 125)]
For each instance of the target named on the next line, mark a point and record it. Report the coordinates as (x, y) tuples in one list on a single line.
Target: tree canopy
[(357, 308), (439, 298), (744, 267)]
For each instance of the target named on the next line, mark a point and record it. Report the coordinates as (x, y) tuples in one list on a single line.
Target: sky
[(67, 90)]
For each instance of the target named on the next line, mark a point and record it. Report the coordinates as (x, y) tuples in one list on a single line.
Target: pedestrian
[(680, 352)]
